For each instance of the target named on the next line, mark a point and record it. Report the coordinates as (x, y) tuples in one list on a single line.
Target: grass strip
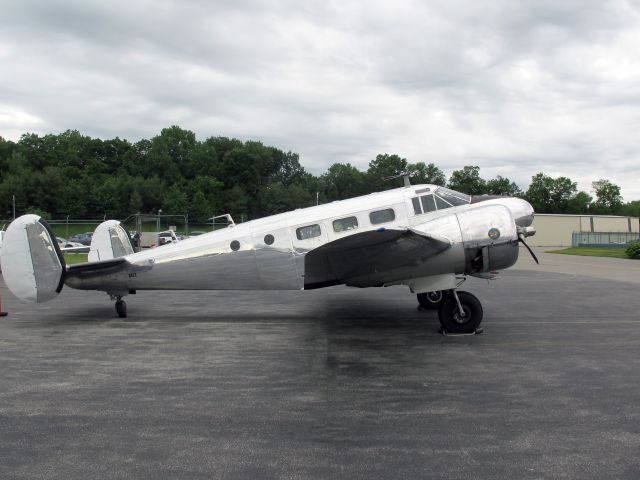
[(593, 252)]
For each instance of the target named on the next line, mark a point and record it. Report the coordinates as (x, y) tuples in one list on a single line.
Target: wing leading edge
[(368, 254)]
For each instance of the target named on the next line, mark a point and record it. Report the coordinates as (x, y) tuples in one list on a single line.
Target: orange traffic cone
[(2, 314)]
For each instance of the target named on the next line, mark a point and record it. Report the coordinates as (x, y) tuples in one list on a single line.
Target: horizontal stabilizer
[(95, 266), (32, 265)]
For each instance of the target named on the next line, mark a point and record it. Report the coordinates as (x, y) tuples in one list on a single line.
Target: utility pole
[(14, 206)]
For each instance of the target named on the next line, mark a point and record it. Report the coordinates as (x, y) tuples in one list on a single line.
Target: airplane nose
[(522, 212)]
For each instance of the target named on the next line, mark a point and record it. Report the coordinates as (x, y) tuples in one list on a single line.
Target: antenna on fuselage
[(405, 178)]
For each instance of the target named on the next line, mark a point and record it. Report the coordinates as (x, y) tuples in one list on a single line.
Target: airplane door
[(275, 256), (305, 238)]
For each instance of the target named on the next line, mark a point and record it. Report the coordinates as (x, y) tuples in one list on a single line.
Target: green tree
[(175, 201), (580, 203), (7, 149), (135, 202), (383, 167), (202, 161), (71, 200), (550, 195), (278, 198), (608, 198), (236, 202), (169, 153), (199, 208), (423, 173), (563, 191), (212, 189), (153, 191), (502, 186), (631, 209), (467, 181), (106, 198), (344, 181)]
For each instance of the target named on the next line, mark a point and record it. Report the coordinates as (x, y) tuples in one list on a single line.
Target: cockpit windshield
[(453, 197)]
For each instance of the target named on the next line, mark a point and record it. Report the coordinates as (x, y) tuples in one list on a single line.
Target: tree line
[(70, 174)]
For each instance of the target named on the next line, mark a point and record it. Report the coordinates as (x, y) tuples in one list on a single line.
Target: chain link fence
[(604, 239)]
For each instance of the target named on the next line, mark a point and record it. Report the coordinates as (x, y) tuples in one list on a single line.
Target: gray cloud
[(514, 87)]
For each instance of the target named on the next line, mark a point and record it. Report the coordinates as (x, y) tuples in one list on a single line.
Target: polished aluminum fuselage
[(267, 254)]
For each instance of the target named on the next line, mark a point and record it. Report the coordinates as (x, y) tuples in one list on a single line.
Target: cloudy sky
[(515, 87)]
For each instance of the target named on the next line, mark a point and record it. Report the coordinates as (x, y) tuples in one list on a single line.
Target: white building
[(556, 229)]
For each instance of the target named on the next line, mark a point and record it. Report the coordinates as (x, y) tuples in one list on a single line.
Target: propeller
[(521, 240)]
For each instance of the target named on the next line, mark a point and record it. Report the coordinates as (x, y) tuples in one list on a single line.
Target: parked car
[(83, 238), (167, 237), (63, 243)]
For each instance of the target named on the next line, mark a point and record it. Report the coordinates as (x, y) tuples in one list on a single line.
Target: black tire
[(449, 313), (121, 308), (432, 300)]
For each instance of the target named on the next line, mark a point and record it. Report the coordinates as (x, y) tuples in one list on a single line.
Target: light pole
[(158, 222), (14, 206)]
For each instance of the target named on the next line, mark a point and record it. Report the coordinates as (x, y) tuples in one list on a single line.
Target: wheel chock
[(446, 333)]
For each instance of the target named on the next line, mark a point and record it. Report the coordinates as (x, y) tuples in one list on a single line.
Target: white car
[(64, 243), (168, 236)]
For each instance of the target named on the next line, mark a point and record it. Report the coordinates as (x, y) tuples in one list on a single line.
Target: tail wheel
[(431, 300), (451, 318)]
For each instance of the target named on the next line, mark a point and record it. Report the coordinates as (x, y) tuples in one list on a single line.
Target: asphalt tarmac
[(332, 383)]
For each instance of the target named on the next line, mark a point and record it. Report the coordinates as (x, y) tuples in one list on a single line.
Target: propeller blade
[(521, 239)]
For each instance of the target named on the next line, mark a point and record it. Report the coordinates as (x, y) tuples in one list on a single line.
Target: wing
[(368, 254)]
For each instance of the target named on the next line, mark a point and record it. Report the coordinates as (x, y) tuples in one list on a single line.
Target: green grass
[(71, 258), (593, 252)]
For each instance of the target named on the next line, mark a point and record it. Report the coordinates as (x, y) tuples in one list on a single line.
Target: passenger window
[(441, 203), (382, 216), (310, 231), (428, 203), (417, 208), (344, 224)]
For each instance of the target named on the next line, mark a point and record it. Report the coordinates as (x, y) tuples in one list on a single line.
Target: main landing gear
[(121, 307), (432, 300), (459, 312)]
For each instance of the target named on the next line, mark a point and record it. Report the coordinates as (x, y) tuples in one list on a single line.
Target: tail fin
[(32, 264), (110, 240)]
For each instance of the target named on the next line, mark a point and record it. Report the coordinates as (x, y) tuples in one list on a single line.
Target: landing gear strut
[(460, 312), (121, 308)]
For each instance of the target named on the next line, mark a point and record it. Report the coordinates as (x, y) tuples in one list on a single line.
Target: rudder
[(110, 240), (32, 264)]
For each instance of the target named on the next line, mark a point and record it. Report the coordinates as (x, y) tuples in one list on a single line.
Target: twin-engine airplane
[(424, 236)]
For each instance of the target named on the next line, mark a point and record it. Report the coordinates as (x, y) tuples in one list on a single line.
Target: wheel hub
[(434, 296), (459, 318)]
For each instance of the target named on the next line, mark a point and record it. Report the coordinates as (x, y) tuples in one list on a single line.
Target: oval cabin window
[(310, 231), (344, 224), (382, 216)]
